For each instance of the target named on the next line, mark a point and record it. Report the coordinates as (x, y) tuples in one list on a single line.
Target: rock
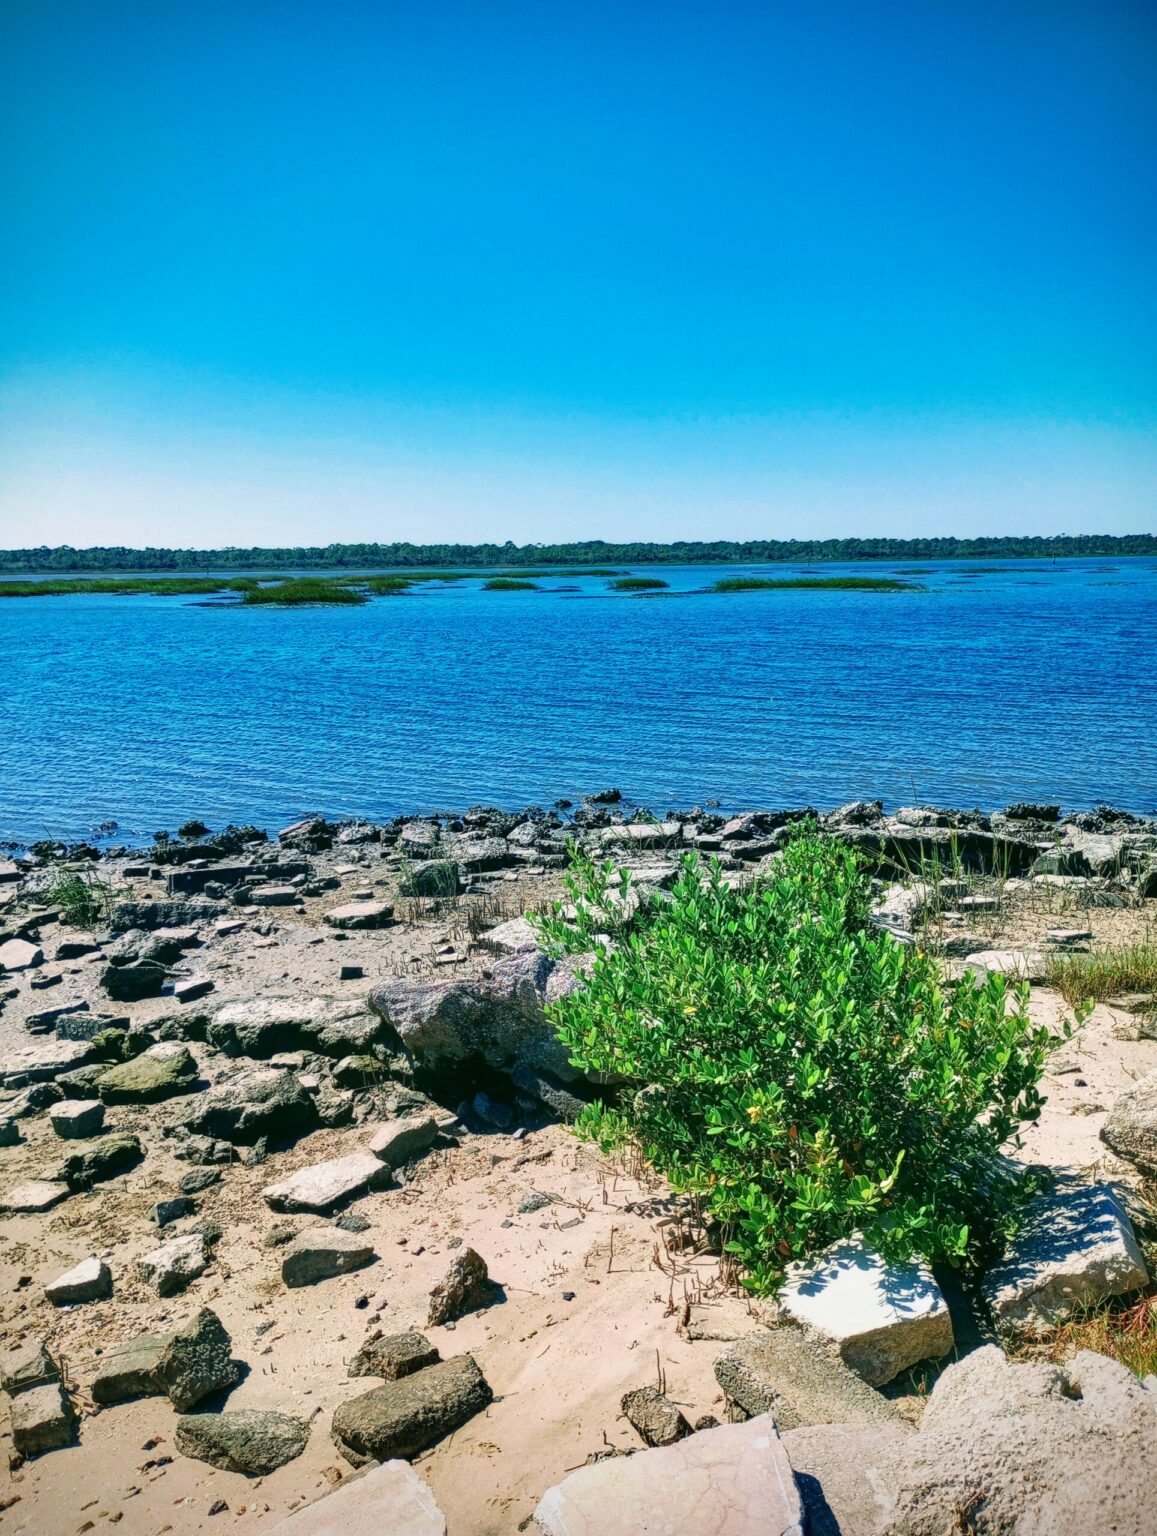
[(466, 1287), (882, 1317), (90, 1280), (101, 1159), (34, 1195), (165, 1212), (174, 1265), (1032, 1449), (1131, 1129), (41, 1419), (192, 989), (77, 1119), (396, 1141), (731, 1481), (352, 1221), (655, 1416), (20, 955), (476, 854), (127, 915), (357, 1071), (510, 937), (42, 1060), (497, 1020), (360, 914), (799, 1379), (9, 1132), (405, 1417), (323, 1185), (320, 1253), (847, 1476), (248, 1441), (131, 1370), (643, 834), (390, 1498), (197, 1179), (1017, 964), (551, 1094), (195, 1361), (395, 1356), (431, 878), (158, 1073), (266, 1026), (131, 983), (274, 895), (1075, 1248), (28, 1365), (257, 1102)]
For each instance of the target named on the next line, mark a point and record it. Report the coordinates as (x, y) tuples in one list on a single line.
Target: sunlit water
[(1035, 680)]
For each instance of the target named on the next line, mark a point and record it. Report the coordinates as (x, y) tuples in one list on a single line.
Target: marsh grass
[(83, 899), (1104, 974), (303, 592), (509, 584), (813, 583), (637, 584), (122, 586), (1127, 1333)]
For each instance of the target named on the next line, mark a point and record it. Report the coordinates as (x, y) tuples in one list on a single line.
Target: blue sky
[(295, 272)]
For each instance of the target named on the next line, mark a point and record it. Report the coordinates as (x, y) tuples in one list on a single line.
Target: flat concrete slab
[(323, 1185), (386, 1497)]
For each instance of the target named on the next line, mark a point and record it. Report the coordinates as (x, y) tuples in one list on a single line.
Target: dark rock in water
[(246, 1441), (103, 1159), (258, 1102), (161, 1072), (656, 1417), (1031, 811), (196, 1361), (466, 1286), (407, 1416), (131, 983), (395, 1356), (602, 797)]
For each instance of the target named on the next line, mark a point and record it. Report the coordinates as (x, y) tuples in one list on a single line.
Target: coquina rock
[(1131, 1129)]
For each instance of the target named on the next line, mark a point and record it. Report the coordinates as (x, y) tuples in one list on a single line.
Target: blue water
[(1034, 680)]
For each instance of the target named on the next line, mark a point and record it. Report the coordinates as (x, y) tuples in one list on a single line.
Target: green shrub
[(795, 1067), (301, 592), (508, 584)]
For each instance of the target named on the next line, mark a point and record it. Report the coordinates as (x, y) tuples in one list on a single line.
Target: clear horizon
[(478, 272)]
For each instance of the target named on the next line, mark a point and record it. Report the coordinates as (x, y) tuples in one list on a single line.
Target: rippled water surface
[(993, 684)]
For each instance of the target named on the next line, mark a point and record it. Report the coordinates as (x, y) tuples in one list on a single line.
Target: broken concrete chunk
[(1131, 1129), (655, 1416), (396, 1141), (360, 914), (41, 1419), (407, 1416), (734, 1480), (34, 1195), (320, 1253), (173, 1266), (76, 1119), (249, 1441), (28, 1365), (390, 1498), (323, 1185), (395, 1356), (466, 1286), (90, 1280), (882, 1317), (798, 1378), (130, 1371)]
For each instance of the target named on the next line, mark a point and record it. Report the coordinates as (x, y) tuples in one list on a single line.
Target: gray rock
[(9, 1132), (41, 1060), (160, 1072), (799, 1379), (90, 1280), (396, 1141), (498, 1019), (28, 1365), (34, 1195), (465, 1287), (734, 1480), (76, 1119), (173, 1266), (360, 914), (266, 1026), (247, 1440), (131, 983), (131, 1370), (477, 854), (847, 1476), (127, 915), (395, 1356), (197, 1179), (20, 955), (431, 878), (196, 1361), (257, 1102), (320, 1253), (42, 1419), (654, 1416), (274, 895), (882, 1317), (357, 1506), (322, 1186), (1033, 1449), (165, 1212), (407, 1416), (510, 937), (1075, 1248), (1131, 1129), (105, 1158)]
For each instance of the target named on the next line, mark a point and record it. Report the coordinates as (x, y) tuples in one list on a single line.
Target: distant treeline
[(588, 552)]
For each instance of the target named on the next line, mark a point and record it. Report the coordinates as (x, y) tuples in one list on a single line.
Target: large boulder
[(1131, 1129), (882, 1317), (1075, 1248), (496, 1020), (1033, 1449), (734, 1480), (259, 1101), (262, 1026), (246, 1440), (160, 1072), (411, 1414)]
